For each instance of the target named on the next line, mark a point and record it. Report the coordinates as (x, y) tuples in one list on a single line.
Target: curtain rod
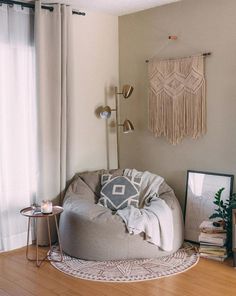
[(29, 5), (206, 54)]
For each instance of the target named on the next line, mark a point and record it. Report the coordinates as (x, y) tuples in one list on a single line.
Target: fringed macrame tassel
[(177, 101)]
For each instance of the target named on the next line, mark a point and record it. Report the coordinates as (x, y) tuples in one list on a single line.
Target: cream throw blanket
[(177, 99), (155, 219)]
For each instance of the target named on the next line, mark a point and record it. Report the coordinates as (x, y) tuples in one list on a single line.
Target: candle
[(46, 207)]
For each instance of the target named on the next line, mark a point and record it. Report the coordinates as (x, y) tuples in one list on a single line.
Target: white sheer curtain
[(33, 123), (17, 123)]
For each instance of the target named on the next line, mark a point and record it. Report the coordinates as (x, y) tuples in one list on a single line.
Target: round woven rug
[(127, 270)]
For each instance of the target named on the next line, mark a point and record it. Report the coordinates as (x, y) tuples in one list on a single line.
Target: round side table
[(35, 214)]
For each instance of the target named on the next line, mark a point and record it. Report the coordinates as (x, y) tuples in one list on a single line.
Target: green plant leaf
[(215, 215)]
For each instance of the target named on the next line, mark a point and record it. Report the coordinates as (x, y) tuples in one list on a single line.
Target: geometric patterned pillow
[(119, 191)]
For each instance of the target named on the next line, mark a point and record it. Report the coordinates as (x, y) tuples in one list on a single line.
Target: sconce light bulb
[(105, 113)]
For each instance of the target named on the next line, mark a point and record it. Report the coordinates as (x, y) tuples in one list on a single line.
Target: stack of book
[(212, 241)]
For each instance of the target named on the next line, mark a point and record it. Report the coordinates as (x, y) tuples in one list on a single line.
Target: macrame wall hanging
[(177, 98)]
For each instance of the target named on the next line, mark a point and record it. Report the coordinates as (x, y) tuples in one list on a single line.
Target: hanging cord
[(171, 39), (161, 49)]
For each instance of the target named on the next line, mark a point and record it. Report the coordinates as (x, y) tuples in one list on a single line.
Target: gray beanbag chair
[(90, 231)]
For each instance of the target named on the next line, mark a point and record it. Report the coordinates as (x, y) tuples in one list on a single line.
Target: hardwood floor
[(19, 277)]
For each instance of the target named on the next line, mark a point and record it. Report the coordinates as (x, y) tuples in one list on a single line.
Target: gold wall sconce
[(127, 124)]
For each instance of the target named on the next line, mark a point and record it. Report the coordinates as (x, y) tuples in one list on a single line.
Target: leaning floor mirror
[(200, 191)]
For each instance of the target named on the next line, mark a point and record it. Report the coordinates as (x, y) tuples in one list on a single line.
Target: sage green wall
[(201, 26)]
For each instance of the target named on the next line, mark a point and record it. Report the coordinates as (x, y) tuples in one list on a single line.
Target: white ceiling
[(115, 7)]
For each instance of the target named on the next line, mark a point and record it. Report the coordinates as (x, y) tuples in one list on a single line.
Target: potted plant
[(223, 212)]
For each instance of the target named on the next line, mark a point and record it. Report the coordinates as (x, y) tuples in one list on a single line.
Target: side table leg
[(37, 244), (49, 236), (234, 256), (27, 248), (37, 259), (59, 240)]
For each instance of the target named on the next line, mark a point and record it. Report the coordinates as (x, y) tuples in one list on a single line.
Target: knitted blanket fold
[(155, 218)]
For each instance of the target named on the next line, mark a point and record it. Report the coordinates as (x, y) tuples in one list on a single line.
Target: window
[(17, 122)]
